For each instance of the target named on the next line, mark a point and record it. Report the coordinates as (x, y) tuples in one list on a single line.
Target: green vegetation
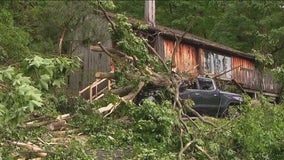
[(243, 25), (32, 95)]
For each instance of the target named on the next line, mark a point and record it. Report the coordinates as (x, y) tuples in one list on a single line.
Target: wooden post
[(96, 90), (91, 93), (108, 85), (149, 12), (200, 61)]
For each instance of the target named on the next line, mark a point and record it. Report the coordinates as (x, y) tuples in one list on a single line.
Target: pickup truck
[(208, 99)]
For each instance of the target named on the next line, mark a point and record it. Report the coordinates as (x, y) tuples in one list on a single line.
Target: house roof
[(190, 38), (201, 42)]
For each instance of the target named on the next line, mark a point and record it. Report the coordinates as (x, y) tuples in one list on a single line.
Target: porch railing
[(95, 90), (251, 79)]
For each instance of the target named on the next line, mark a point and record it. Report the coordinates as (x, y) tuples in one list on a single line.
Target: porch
[(252, 81)]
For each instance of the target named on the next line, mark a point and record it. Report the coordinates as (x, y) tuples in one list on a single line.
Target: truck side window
[(206, 84), (193, 85)]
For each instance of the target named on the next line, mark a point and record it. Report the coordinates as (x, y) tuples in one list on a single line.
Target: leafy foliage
[(18, 96), (13, 41), (21, 90), (49, 72)]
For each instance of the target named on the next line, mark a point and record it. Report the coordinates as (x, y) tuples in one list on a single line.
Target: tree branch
[(199, 116), (204, 152), (159, 57), (111, 51), (184, 149), (107, 17)]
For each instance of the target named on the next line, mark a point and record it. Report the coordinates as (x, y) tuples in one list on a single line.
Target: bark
[(204, 152), (133, 94), (218, 75), (107, 108), (58, 125), (61, 41), (184, 149), (111, 52), (159, 57), (31, 147), (102, 75), (123, 90), (238, 85)]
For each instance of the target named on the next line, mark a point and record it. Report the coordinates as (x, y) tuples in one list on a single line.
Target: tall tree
[(13, 40), (243, 25)]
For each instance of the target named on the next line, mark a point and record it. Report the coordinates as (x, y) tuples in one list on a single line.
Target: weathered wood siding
[(92, 62), (251, 79), (241, 75), (244, 63), (94, 29), (186, 57)]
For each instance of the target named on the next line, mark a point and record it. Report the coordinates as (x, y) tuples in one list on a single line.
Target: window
[(206, 84), (216, 63)]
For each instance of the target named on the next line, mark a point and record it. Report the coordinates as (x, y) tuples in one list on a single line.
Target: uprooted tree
[(138, 65)]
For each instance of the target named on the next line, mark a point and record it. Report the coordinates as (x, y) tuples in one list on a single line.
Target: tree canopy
[(243, 25)]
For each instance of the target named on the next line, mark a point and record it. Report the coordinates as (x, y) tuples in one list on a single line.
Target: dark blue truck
[(208, 99)]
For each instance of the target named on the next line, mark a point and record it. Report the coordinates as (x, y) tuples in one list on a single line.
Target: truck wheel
[(231, 112)]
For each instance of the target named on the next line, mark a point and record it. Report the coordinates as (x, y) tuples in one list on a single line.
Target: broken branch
[(198, 115), (184, 149), (133, 94), (159, 57), (107, 17), (31, 147), (204, 152), (102, 75), (111, 51)]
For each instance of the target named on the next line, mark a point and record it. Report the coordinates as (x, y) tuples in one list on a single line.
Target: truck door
[(207, 97)]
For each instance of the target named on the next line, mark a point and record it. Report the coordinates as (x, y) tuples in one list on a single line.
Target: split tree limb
[(107, 108), (112, 109), (57, 125)]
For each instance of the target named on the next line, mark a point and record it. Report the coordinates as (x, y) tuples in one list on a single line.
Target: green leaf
[(36, 96), (58, 82), (2, 110), (36, 61), (43, 84)]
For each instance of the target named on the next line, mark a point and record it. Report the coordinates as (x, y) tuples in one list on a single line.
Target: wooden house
[(199, 56), (195, 56)]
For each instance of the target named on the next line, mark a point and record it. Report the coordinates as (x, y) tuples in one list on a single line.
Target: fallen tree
[(136, 68)]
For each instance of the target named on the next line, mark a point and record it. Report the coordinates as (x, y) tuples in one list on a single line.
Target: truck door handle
[(197, 94)]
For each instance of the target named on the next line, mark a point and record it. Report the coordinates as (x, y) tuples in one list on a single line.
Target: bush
[(256, 134)]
